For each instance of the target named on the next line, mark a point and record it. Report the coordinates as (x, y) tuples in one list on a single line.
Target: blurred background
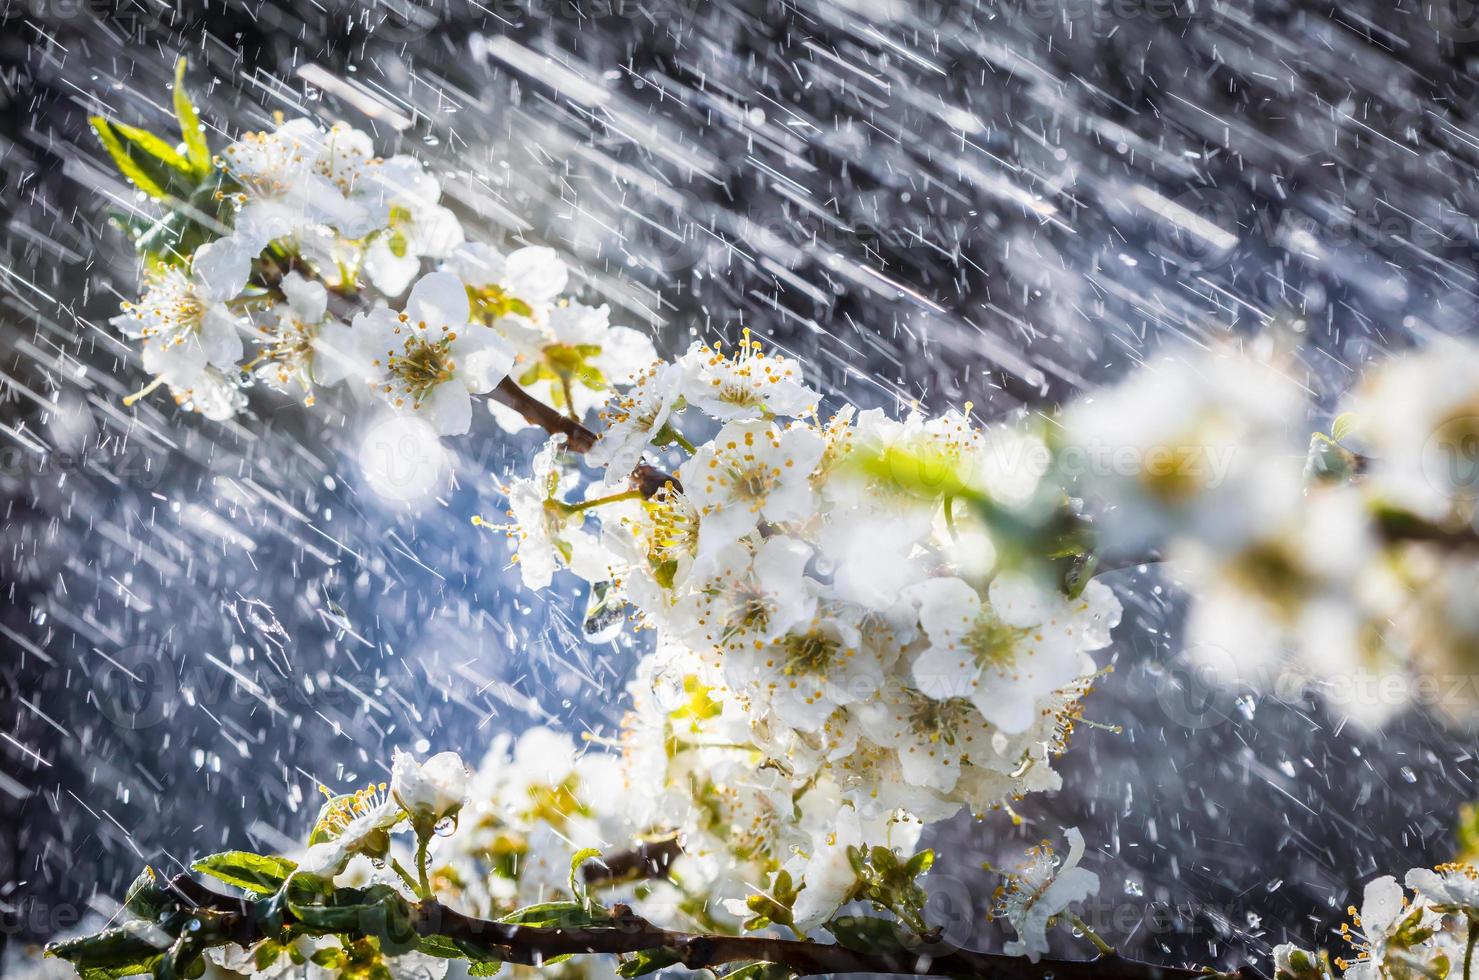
[(1000, 201)]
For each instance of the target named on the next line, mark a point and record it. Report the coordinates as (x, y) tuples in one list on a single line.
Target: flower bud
[(430, 791)]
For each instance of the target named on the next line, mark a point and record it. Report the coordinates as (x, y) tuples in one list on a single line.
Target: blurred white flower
[(1040, 891), (1203, 442), (1417, 417), (415, 227)]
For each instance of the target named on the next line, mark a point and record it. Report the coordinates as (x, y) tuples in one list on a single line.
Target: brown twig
[(629, 933), (578, 438), (650, 859)]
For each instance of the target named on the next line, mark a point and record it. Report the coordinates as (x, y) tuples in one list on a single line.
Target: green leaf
[(254, 872), (181, 962), (1345, 424), (267, 954), (100, 973), (378, 911), (581, 857), (158, 150), (443, 947), (867, 934), (329, 959), (198, 151), (486, 968), (146, 900), (116, 952), (920, 863), (568, 915), (648, 961), (151, 164), (478, 956), (124, 160), (883, 859)]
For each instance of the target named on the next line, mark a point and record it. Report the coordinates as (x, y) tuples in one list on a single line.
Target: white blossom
[(751, 472), (1006, 654), (1209, 443), (430, 359), (748, 384), (184, 326), (634, 416), (548, 534), (1040, 891), (432, 790)]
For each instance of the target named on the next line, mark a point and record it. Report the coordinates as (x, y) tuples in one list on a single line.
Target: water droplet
[(667, 688), (378, 863), (445, 827)]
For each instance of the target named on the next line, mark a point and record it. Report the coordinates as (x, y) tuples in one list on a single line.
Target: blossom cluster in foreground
[(841, 652), (1429, 933), (312, 234), (534, 837), (861, 622)]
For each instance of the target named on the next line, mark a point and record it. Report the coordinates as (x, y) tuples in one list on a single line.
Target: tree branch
[(630, 933), (579, 439), (650, 859)]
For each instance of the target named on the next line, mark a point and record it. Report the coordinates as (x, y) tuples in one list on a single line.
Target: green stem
[(569, 394), (404, 875), (1104, 948), (423, 890), (669, 434), (599, 501), (1469, 949)]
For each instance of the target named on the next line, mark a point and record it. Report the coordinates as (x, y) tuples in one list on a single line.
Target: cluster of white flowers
[(1427, 934), (419, 796), (842, 651), (840, 654), (356, 837), (322, 233), (535, 802), (1351, 567)]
